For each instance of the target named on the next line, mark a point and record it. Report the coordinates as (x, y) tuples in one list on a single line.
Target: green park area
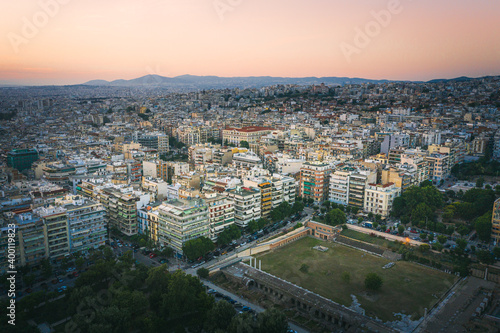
[(340, 272)]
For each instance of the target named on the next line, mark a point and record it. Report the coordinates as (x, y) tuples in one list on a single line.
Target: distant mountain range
[(216, 82)]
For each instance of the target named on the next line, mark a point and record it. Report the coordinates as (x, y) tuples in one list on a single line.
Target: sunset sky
[(81, 40)]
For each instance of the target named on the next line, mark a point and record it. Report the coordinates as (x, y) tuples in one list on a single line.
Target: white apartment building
[(221, 213), (247, 204), (182, 220), (379, 198), (339, 187)]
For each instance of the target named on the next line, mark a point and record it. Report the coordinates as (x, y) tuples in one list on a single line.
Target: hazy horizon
[(56, 42)]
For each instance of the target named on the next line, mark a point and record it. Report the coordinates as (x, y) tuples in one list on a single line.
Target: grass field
[(407, 288)]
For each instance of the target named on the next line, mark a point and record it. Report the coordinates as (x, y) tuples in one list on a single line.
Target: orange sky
[(76, 41)]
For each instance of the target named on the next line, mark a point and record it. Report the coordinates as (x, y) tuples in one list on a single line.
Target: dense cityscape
[(101, 183), (230, 166)]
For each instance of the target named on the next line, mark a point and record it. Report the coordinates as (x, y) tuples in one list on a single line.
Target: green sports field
[(407, 288)]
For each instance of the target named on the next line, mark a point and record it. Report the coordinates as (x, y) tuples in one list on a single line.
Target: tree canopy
[(198, 247)]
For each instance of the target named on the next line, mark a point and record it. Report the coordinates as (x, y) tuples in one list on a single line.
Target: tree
[(442, 239), (360, 219), (437, 247), (228, 234), (485, 257), (272, 320), (496, 252), (346, 277), (297, 207), (168, 252), (335, 217), (202, 273), (424, 248), (79, 262), (373, 281), (483, 227), (355, 210), (401, 229), (219, 317), (244, 144), (426, 183), (29, 279), (252, 226), (370, 215), (480, 182), (262, 222), (304, 268), (46, 268), (430, 237), (198, 247)]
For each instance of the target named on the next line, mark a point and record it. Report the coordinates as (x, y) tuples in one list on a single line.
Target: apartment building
[(314, 181), (247, 204), (21, 159), (339, 186), (182, 220), (221, 213), (246, 160), (455, 150), (157, 141), (357, 184), (250, 134), (87, 226), (266, 194), (121, 203), (439, 167), (30, 241), (379, 198), (55, 220)]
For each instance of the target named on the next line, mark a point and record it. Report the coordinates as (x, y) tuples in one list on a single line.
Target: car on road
[(61, 289), (54, 281), (28, 290), (211, 291), (152, 255), (71, 269)]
